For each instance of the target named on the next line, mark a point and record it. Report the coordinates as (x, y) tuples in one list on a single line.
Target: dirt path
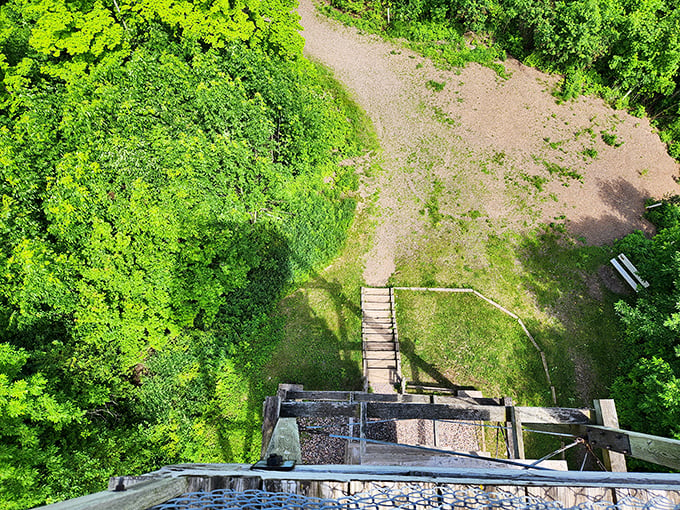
[(503, 149)]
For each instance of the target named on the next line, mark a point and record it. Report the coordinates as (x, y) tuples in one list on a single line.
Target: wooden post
[(510, 440), (605, 415), (271, 408), (517, 434), (362, 429)]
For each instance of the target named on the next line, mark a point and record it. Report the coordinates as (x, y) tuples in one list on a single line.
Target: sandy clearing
[(490, 140)]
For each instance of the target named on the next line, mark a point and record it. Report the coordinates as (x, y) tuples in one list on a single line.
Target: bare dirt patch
[(503, 149)]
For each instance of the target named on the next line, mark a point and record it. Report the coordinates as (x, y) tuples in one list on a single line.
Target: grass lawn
[(460, 340), (550, 282)]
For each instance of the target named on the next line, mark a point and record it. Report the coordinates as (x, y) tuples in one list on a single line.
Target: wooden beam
[(605, 413), (391, 397), (138, 497), (439, 411), (319, 409), (409, 411), (655, 449), (319, 395), (564, 415), (421, 474), (285, 388)]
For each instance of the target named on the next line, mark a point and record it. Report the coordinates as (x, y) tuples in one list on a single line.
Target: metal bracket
[(609, 440)]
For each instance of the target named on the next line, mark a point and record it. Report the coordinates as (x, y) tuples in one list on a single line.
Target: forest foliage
[(167, 170), (648, 391), (629, 52)]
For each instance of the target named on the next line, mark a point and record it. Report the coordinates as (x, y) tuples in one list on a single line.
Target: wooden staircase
[(381, 361)]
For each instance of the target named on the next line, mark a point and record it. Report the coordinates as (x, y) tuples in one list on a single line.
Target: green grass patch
[(437, 86), (319, 343), (460, 340), (550, 282), (611, 139), (563, 173)]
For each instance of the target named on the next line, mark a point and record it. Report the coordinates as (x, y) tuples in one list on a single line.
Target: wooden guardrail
[(598, 426)]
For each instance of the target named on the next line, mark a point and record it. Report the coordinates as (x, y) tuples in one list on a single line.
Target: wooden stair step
[(377, 314), (382, 363), (377, 331), (384, 321), (373, 355), (375, 291), (379, 346), (381, 375), (376, 299), (378, 307), (379, 337)]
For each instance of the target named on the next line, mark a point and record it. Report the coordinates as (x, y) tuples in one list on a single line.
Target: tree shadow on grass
[(422, 372), (313, 352)]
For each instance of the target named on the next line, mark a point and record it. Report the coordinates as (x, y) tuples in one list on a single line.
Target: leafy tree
[(30, 417), (168, 170), (648, 391)]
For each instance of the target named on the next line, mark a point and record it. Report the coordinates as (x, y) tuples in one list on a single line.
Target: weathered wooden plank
[(324, 490), (380, 337), (138, 497), (391, 397), (380, 355), (270, 415), (375, 291), (285, 388), (462, 401), (377, 321), (509, 439), (571, 496), (235, 483), (378, 307), (405, 411), (381, 375), (555, 415), (377, 314), (444, 475), (319, 395), (376, 298), (379, 346), (319, 409), (659, 450), (436, 411), (291, 486), (605, 413), (373, 363), (378, 330)]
